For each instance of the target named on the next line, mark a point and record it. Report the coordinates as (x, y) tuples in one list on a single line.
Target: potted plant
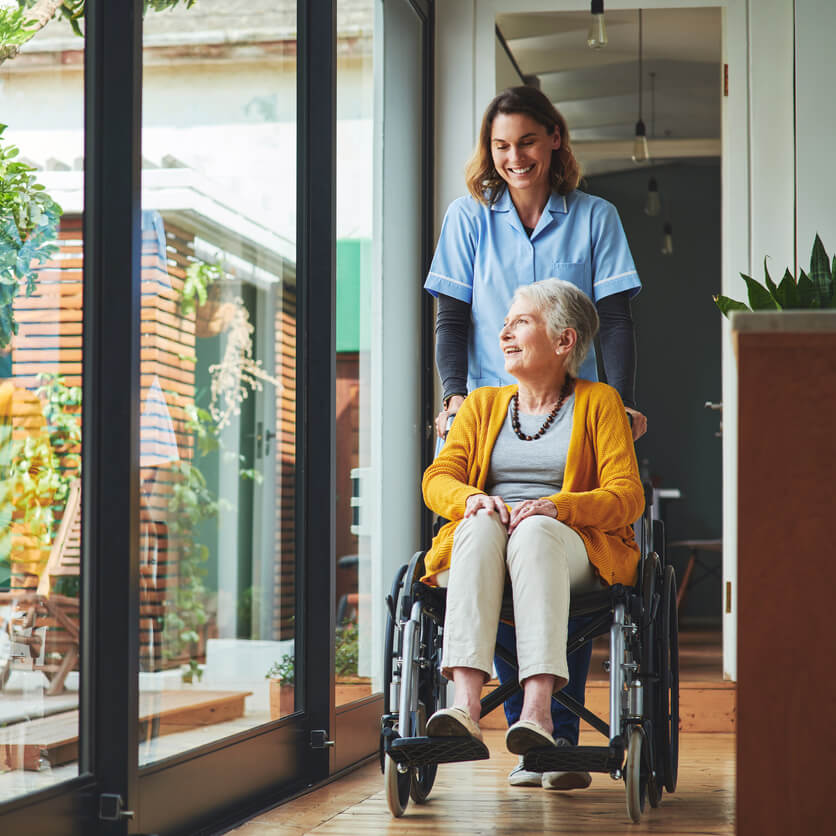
[(281, 675), (349, 686), (815, 291)]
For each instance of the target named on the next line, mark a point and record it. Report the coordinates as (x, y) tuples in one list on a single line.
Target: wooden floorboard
[(474, 798)]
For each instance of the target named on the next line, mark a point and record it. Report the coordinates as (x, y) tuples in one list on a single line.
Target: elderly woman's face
[(525, 341)]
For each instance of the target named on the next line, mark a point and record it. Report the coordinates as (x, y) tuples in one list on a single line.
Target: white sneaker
[(519, 776), (565, 780)]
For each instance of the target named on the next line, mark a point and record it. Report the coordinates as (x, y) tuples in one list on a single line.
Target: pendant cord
[(640, 65)]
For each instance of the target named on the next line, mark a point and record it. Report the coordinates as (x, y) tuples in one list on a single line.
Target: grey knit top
[(530, 469)]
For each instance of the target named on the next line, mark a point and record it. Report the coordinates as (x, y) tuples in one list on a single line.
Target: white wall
[(757, 215), (815, 23)]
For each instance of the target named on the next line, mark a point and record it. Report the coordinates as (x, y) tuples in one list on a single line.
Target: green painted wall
[(354, 273)]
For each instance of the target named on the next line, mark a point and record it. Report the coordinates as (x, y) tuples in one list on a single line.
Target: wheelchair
[(643, 730)]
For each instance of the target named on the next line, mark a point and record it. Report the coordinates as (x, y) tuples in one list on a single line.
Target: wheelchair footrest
[(421, 751), (575, 758)]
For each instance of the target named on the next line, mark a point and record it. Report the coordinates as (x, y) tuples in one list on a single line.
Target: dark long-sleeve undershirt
[(617, 336)]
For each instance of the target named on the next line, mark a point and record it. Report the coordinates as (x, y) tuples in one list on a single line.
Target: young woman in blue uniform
[(524, 221)]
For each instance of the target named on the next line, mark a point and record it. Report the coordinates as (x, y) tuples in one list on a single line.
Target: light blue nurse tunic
[(484, 254)]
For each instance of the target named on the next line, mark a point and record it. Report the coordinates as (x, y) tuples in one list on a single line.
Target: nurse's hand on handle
[(478, 501), (638, 423), (441, 419)]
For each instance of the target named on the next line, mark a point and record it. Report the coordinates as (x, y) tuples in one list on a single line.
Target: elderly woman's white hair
[(563, 306)]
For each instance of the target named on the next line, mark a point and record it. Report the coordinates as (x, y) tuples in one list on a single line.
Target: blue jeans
[(566, 724)]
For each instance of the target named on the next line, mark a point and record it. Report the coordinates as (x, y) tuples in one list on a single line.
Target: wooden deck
[(475, 798), (53, 740)]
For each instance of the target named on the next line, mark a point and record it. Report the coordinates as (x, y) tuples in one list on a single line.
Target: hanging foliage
[(28, 229)]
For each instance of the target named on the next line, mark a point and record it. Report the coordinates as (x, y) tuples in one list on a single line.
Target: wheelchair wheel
[(635, 775), (429, 683), (658, 541), (423, 777), (667, 703), (397, 785), (390, 651), (651, 576)]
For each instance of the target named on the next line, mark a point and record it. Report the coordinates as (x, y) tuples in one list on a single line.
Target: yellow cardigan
[(602, 493)]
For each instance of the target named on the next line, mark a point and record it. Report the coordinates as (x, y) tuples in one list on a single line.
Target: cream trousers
[(545, 560)]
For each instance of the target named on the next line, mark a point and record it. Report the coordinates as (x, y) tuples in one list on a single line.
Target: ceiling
[(597, 90)]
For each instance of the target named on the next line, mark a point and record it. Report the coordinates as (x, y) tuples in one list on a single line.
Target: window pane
[(41, 98), (218, 406)]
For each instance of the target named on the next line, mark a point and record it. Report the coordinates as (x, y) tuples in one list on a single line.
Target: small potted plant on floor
[(282, 692), (349, 685)]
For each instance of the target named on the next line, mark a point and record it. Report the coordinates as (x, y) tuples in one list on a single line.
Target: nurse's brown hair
[(483, 180)]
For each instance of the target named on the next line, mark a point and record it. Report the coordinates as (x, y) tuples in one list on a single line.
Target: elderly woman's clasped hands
[(510, 519)]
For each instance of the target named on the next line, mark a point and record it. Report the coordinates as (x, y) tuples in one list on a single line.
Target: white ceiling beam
[(662, 149)]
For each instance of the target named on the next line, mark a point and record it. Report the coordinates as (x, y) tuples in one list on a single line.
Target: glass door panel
[(218, 397), (41, 253)]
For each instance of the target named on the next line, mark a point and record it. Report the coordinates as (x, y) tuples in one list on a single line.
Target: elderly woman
[(539, 480)]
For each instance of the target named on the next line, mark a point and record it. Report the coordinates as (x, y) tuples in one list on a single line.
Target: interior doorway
[(660, 67)]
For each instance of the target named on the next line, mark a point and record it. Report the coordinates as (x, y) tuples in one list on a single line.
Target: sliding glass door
[(215, 221)]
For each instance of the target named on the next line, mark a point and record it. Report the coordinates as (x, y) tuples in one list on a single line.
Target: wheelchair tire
[(651, 579), (667, 711), (389, 640), (635, 776), (397, 787), (429, 683), (658, 541), (423, 777)]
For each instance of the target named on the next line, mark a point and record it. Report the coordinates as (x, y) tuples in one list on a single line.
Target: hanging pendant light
[(597, 37), (653, 204), (667, 239), (641, 153)]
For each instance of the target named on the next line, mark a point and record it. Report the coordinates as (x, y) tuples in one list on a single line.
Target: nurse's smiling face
[(521, 149)]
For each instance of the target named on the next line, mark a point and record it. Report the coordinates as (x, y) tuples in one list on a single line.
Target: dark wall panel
[(678, 337)]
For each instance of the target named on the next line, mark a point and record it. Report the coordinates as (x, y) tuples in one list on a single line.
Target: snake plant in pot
[(815, 290)]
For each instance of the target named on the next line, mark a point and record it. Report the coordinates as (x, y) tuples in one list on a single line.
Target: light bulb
[(667, 239), (597, 37), (653, 205), (641, 153)]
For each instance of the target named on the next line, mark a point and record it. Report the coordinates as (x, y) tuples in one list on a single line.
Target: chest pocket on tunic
[(572, 271)]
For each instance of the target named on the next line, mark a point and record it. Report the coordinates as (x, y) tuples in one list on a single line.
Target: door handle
[(268, 437)]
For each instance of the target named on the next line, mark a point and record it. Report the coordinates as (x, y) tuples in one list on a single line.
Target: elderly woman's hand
[(478, 501), (530, 508)]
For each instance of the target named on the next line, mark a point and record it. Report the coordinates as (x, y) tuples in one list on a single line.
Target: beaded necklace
[(515, 412)]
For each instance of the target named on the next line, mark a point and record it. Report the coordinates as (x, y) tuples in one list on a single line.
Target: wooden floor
[(474, 798)]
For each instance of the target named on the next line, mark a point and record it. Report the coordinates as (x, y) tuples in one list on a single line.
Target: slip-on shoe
[(565, 780), (453, 722), (526, 735)]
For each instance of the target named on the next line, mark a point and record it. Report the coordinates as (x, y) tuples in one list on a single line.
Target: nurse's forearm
[(618, 345), (452, 325)]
